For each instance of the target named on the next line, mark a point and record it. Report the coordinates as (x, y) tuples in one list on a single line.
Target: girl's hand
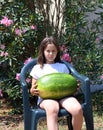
[(34, 90), (78, 87)]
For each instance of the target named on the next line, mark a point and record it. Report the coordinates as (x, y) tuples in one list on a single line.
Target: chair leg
[(88, 119), (69, 121), (34, 123), (27, 126), (89, 122), (27, 122)]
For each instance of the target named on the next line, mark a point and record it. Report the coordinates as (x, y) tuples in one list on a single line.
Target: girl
[(49, 62)]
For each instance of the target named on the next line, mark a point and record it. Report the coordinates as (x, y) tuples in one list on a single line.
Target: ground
[(7, 120), (15, 122)]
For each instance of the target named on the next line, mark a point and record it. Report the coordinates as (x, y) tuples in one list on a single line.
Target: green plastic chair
[(32, 115)]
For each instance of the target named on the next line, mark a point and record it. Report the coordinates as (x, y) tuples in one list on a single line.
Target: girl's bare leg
[(72, 106), (52, 108)]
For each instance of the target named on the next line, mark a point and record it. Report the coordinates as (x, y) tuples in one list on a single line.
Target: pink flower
[(101, 76), (33, 27), (24, 30), (2, 46), (28, 60), (1, 93), (62, 48), (97, 40), (7, 22), (18, 31), (66, 57), (18, 76), (28, 80), (4, 54)]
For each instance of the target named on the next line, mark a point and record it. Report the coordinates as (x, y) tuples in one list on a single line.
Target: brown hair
[(43, 45)]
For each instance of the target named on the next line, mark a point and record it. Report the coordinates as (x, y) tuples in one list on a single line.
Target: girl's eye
[(48, 51), (53, 51)]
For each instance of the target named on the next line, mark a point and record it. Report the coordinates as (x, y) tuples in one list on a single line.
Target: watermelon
[(56, 85)]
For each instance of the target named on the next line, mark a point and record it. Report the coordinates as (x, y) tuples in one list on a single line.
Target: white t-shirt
[(38, 72)]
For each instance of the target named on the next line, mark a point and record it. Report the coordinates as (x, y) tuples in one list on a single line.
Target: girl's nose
[(51, 53)]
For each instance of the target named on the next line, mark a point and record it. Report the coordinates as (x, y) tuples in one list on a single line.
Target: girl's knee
[(53, 109), (51, 106), (52, 112), (78, 111)]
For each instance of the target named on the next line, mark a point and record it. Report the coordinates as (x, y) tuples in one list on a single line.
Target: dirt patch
[(7, 120), (15, 122)]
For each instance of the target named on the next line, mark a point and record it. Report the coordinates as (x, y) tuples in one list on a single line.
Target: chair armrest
[(24, 91), (26, 69)]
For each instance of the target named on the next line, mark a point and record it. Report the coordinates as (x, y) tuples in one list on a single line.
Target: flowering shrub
[(18, 41), (21, 31), (20, 38)]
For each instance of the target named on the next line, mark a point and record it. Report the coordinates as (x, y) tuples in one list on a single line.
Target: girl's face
[(50, 53)]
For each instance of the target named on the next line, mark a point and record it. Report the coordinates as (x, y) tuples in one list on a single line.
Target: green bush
[(18, 42), (83, 39), (22, 29)]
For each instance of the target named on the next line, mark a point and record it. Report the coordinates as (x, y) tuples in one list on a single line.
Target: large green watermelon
[(56, 85)]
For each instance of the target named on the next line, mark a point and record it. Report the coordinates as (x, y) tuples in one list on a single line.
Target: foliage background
[(83, 41)]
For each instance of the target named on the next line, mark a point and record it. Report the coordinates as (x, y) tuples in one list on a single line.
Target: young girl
[(49, 62)]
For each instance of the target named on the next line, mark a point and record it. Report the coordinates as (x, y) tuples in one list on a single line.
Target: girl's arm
[(33, 89)]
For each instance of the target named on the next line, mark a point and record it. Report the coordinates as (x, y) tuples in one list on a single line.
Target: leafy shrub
[(20, 34), (21, 31), (83, 39), (18, 42)]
